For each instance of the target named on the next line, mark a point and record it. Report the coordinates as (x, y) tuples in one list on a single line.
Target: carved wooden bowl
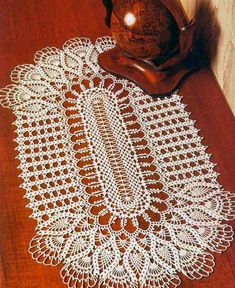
[(144, 28)]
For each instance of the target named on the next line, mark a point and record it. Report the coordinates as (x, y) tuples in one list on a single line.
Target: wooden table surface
[(29, 25)]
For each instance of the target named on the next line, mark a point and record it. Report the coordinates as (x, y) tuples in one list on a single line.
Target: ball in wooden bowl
[(144, 28)]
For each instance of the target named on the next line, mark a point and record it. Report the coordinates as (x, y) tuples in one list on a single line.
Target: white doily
[(122, 189)]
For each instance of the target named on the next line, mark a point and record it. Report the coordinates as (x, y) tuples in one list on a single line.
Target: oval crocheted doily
[(122, 189)]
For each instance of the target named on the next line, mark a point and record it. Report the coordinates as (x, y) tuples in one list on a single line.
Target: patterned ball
[(144, 28)]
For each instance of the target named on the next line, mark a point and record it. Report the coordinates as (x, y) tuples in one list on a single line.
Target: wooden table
[(27, 26)]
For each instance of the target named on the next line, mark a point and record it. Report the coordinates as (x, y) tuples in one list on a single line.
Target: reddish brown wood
[(174, 6), (155, 51), (144, 29), (145, 74), (27, 26)]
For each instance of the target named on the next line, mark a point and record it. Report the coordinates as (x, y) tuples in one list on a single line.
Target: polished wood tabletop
[(27, 26)]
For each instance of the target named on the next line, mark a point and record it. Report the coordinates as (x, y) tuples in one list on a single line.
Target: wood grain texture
[(27, 26), (216, 24), (141, 38)]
